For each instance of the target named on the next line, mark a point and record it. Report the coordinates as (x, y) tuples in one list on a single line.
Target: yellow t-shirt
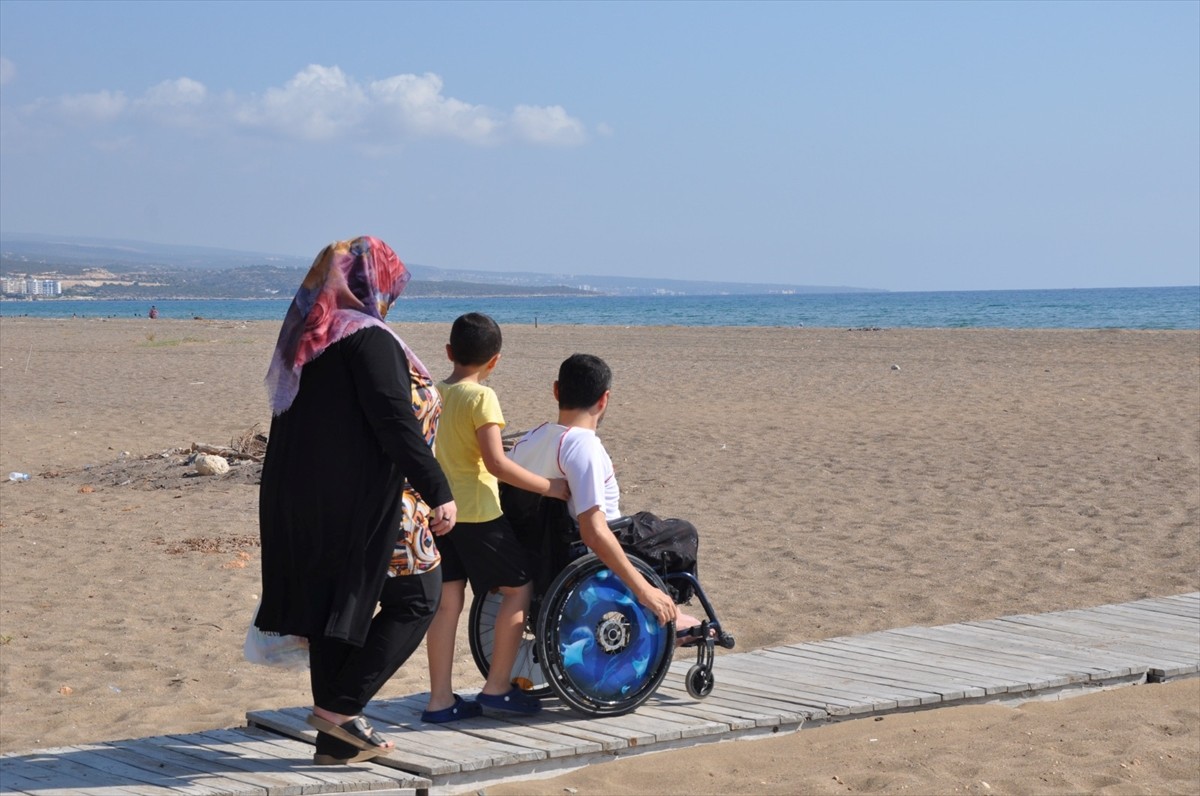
[(466, 407)]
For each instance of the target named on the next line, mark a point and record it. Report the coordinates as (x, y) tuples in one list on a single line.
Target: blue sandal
[(515, 701), (461, 709)]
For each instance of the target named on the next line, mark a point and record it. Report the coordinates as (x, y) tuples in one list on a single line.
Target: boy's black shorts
[(487, 554)]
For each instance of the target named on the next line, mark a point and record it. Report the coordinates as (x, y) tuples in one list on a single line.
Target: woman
[(345, 441)]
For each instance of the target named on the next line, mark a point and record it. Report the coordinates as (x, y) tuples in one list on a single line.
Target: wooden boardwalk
[(1015, 658)]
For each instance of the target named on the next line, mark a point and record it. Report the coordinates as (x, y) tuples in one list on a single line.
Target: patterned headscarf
[(351, 285)]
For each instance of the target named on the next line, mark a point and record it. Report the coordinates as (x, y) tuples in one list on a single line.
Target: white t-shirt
[(574, 453)]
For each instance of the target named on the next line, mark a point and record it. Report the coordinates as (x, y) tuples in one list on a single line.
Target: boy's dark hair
[(474, 339), (582, 380)]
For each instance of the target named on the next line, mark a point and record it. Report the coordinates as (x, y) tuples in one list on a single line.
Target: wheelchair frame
[(588, 641)]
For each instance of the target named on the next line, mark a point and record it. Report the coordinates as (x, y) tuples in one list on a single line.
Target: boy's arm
[(491, 448), (593, 528)]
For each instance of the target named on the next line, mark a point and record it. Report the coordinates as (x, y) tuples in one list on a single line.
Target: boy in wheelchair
[(570, 449), (598, 653)]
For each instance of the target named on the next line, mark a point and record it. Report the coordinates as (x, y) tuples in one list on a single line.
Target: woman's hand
[(443, 518)]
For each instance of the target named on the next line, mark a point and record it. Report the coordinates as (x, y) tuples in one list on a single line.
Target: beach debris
[(87, 489), (251, 444), (18, 476), (895, 367), (66, 690), (211, 464)]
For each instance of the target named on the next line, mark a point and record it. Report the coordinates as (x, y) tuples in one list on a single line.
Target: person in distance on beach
[(345, 441)]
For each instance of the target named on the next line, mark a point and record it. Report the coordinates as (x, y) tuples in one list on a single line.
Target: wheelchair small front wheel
[(481, 633), (603, 652), (699, 681)]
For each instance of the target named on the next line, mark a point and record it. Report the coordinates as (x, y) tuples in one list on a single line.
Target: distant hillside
[(132, 269)]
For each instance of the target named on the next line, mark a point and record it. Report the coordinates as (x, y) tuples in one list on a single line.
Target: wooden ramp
[(244, 762), (1015, 658)]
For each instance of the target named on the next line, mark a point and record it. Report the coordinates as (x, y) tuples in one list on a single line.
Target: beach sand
[(843, 482)]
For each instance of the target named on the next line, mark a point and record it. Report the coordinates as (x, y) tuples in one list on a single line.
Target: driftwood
[(250, 445), (221, 450)]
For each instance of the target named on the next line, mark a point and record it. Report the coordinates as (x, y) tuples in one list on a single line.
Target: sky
[(891, 145)]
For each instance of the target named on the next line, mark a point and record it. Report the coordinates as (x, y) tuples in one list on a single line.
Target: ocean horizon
[(1081, 308)]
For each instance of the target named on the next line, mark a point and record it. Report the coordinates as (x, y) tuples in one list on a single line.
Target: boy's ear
[(491, 363), (449, 352), (602, 404), (556, 390)]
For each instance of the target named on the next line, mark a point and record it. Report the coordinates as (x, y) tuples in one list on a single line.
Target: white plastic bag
[(272, 649)]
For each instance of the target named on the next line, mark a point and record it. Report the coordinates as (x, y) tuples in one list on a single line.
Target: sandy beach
[(843, 482)]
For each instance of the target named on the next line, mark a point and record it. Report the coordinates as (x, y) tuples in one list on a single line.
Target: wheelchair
[(587, 639)]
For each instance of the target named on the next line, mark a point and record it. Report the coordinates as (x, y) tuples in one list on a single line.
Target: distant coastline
[(132, 270), (1094, 308)]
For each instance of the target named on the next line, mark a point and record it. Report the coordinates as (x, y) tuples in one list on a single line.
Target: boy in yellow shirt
[(482, 547)]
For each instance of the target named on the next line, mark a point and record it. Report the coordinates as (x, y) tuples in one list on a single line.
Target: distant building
[(30, 286)]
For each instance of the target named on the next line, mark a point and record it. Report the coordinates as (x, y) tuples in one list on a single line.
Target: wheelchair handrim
[(605, 653)]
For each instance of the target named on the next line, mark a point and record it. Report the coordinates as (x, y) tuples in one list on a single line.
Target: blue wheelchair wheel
[(603, 653), (481, 632)]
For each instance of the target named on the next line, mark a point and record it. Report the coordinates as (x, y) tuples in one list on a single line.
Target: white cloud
[(100, 106), (416, 104), (8, 71), (323, 103), (317, 104), (180, 93), (549, 125)]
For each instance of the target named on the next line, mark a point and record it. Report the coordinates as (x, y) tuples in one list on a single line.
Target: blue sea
[(1099, 308)]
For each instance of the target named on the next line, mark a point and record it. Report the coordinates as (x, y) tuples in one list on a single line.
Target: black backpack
[(550, 537), (668, 545)]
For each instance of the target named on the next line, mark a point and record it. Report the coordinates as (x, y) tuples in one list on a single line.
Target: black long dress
[(329, 505)]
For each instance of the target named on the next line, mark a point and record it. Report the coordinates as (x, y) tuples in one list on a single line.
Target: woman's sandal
[(357, 732), (333, 760)]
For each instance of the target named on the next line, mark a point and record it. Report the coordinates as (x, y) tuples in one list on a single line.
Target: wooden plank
[(832, 680), (836, 692), (742, 702), (1030, 679), (476, 750), (731, 704), (14, 780), (1164, 609), (271, 782), (954, 673), (545, 737), (812, 707), (198, 772), (411, 756), (948, 687), (924, 644), (1141, 618), (691, 726), (816, 705), (1191, 600), (979, 645), (1040, 653), (1098, 626), (275, 776), (132, 766), (65, 770), (274, 752), (992, 681), (1069, 647), (887, 683), (732, 719), (1104, 639), (1154, 615)]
